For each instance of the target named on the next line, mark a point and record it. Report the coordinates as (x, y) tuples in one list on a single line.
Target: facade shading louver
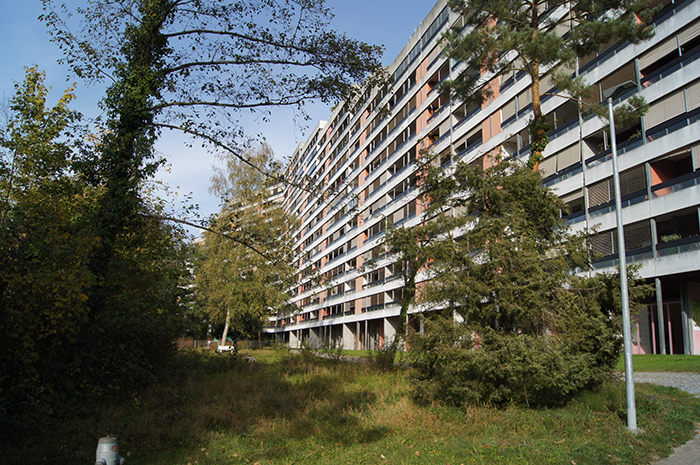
[(361, 165)]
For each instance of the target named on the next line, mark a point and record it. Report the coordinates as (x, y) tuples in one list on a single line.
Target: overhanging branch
[(287, 101), (187, 223), (221, 145)]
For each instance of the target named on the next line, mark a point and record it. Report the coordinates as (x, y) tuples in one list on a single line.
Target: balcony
[(686, 244), (626, 201), (560, 176), (676, 184), (631, 256), (673, 125)]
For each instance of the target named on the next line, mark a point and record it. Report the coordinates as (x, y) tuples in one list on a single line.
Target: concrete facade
[(364, 160)]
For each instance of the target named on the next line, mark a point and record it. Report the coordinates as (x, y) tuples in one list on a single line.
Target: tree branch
[(298, 99), (221, 145), (178, 220), (249, 61), (238, 35)]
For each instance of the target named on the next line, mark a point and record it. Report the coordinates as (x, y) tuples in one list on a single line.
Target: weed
[(333, 350), (317, 411), (609, 397), (384, 357)]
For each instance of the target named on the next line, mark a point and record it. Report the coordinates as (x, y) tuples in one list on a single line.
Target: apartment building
[(361, 163)]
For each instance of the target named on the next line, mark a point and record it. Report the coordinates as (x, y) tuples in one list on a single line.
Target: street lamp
[(626, 326)]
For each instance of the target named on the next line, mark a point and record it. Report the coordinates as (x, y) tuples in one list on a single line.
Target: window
[(575, 203)]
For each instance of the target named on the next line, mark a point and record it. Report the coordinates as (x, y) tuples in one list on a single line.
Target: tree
[(411, 250), (58, 343), (244, 266), (45, 235), (512, 250), (536, 38), (515, 324), (192, 66)]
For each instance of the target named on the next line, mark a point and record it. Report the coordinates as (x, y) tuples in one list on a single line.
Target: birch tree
[(245, 264)]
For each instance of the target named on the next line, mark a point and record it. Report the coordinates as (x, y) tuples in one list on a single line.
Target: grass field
[(286, 409), (663, 363)]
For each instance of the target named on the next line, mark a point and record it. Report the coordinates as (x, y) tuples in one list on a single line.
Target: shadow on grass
[(263, 409)]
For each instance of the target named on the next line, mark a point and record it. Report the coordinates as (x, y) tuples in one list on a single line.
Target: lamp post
[(626, 326)]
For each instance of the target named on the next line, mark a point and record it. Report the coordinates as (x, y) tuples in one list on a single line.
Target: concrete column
[(314, 338), (660, 317), (686, 324), (294, 339), (348, 337), (390, 326)]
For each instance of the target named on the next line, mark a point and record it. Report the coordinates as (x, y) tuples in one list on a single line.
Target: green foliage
[(470, 363), (384, 357), (608, 397), (505, 271), (332, 350), (243, 268), (516, 325), (538, 127), (503, 37), (45, 236), (280, 410), (199, 364), (626, 115), (76, 327), (411, 249), (495, 369)]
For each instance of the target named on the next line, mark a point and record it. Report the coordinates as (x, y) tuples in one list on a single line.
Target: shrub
[(459, 366), (383, 358)]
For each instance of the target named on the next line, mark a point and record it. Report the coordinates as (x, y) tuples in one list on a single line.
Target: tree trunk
[(539, 133), (225, 334), (409, 294), (259, 337)]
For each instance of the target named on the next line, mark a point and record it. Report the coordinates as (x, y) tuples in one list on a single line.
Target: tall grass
[(299, 409)]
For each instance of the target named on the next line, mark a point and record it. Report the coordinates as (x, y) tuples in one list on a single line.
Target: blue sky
[(25, 42)]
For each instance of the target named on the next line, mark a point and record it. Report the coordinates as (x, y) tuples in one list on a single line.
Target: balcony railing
[(613, 260), (673, 125), (676, 184), (566, 173), (686, 244), (626, 201)]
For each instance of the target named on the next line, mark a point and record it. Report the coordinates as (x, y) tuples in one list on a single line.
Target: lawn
[(663, 363), (284, 409)]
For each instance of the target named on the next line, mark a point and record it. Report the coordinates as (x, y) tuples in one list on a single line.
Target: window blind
[(665, 109), (659, 51)]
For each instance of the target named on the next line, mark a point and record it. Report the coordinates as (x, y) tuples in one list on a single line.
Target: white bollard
[(108, 452)]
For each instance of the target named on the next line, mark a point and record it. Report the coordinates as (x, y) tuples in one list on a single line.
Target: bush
[(196, 364), (383, 358), (456, 365)]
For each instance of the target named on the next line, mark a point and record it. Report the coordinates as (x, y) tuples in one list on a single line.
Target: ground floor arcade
[(668, 322)]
